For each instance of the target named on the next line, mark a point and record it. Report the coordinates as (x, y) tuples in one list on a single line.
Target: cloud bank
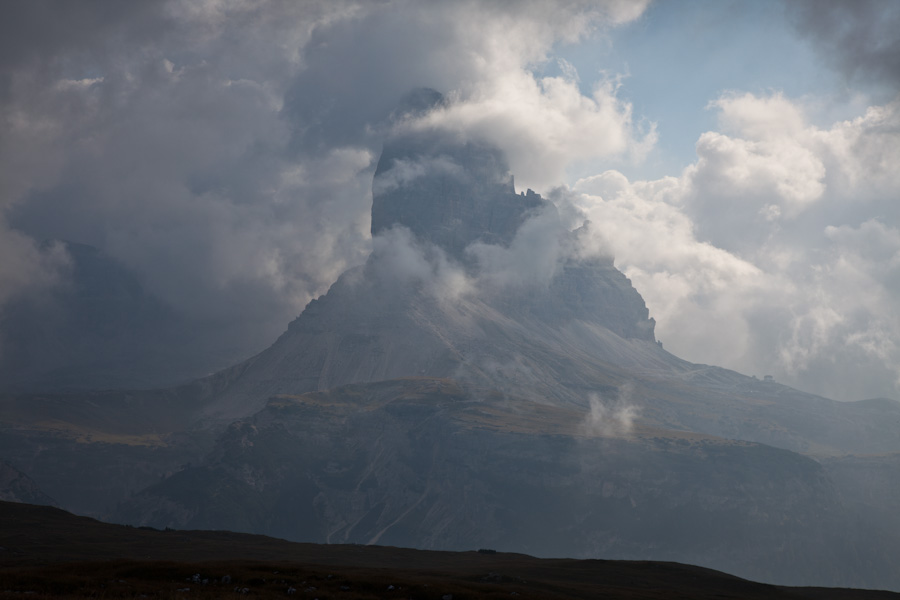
[(782, 235), (224, 150)]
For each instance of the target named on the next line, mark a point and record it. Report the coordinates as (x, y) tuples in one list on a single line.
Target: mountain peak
[(448, 192), (506, 292)]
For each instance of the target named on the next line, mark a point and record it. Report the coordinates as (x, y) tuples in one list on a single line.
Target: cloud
[(611, 417), (759, 118), (399, 257), (541, 246), (532, 259), (746, 259), (165, 147), (404, 171), (26, 267), (225, 150), (544, 125), (861, 38)]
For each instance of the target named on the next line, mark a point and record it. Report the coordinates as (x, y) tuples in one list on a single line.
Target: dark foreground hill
[(47, 552)]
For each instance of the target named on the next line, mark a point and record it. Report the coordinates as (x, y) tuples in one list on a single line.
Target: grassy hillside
[(47, 552)]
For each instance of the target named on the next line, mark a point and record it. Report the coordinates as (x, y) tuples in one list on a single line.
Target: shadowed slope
[(33, 535), (434, 463)]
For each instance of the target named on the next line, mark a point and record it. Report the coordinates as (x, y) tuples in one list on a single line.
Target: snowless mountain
[(487, 379)]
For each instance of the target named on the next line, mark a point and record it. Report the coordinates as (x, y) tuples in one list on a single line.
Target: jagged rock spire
[(447, 191)]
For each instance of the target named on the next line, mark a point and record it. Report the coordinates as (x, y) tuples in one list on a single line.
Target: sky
[(739, 158)]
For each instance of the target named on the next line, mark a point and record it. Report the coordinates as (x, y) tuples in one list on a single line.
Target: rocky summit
[(448, 193)]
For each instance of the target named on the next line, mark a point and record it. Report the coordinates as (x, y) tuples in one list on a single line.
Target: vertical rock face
[(449, 193), (595, 291)]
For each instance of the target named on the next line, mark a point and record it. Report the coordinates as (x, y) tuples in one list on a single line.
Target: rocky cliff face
[(448, 193)]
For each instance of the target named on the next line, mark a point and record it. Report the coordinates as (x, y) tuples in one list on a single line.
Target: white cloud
[(533, 257), (611, 418), (544, 125), (401, 258), (776, 252), (402, 172), (757, 118)]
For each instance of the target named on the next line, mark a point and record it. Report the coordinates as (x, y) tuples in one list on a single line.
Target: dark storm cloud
[(859, 37), (33, 31), (383, 57), (154, 131)]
